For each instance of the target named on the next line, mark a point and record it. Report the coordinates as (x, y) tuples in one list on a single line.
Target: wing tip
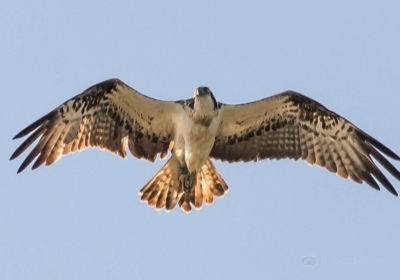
[(35, 125), (13, 156), (378, 145), (388, 186), (21, 168), (392, 190), (20, 134)]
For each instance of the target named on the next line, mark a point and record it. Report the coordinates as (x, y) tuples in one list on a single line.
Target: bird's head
[(204, 99)]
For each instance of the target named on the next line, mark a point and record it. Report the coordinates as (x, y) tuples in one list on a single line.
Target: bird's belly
[(193, 144), (193, 141), (198, 145)]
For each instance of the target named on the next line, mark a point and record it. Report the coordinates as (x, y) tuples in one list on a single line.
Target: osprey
[(113, 116)]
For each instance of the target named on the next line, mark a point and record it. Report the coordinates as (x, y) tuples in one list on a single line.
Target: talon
[(184, 170), (186, 179)]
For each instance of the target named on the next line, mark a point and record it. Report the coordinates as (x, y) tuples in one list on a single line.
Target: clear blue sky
[(82, 217)]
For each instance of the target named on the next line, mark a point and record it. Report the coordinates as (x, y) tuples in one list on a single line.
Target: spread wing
[(109, 115), (290, 125)]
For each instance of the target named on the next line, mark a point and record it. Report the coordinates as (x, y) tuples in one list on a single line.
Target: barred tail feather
[(212, 182), (165, 191)]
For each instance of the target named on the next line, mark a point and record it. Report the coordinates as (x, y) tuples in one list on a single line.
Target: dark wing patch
[(290, 125), (186, 103), (109, 115)]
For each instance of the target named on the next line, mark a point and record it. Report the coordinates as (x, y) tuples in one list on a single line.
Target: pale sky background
[(82, 217)]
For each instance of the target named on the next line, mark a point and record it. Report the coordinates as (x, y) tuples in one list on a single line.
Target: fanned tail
[(165, 189)]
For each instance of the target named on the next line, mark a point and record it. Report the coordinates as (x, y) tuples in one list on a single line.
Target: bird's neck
[(203, 112)]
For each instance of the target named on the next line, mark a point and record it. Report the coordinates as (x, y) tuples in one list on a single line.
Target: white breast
[(193, 142)]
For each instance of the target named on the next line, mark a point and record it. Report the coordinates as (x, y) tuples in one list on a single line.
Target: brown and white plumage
[(114, 116), (291, 125), (109, 115)]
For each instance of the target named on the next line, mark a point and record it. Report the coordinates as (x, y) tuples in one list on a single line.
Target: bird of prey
[(113, 116)]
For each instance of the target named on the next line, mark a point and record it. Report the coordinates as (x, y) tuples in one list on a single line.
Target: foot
[(186, 179)]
